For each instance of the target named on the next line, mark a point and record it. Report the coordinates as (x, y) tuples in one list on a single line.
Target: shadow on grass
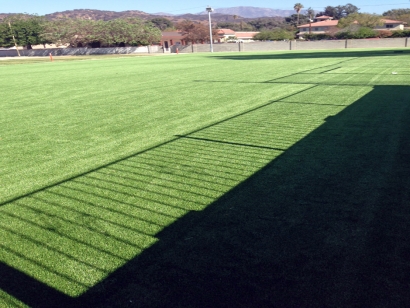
[(315, 54), (235, 214)]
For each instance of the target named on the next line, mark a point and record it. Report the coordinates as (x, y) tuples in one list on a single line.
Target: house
[(172, 38), (245, 36), (326, 24), (224, 34), (389, 24)]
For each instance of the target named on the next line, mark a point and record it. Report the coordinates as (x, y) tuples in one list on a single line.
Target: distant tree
[(266, 23), (6, 39), (340, 11), (195, 32), (120, 31), (398, 14), (310, 13), (162, 23), (138, 31), (27, 30), (298, 7), (74, 32), (293, 19), (331, 11), (395, 13), (362, 19), (228, 25)]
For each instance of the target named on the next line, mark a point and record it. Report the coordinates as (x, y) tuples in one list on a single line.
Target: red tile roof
[(245, 34), (324, 17), (390, 21), (226, 31), (325, 23)]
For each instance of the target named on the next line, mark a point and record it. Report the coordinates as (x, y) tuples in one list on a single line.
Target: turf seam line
[(336, 68), (232, 143)]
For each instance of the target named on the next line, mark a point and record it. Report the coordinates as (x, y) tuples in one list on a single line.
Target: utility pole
[(14, 39)]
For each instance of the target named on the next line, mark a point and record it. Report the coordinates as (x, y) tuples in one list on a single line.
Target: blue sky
[(179, 6)]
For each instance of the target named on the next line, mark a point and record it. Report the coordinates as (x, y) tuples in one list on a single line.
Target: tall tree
[(294, 19), (395, 13), (298, 7), (310, 12), (162, 23), (398, 14), (340, 11), (121, 31), (26, 29), (195, 32)]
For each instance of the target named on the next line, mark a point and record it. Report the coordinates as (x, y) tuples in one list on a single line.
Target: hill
[(97, 14), (219, 15)]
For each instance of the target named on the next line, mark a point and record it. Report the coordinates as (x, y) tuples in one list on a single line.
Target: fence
[(223, 47), (295, 45), (81, 51)]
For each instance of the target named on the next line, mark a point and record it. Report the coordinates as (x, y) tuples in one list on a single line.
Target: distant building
[(224, 34), (169, 39), (389, 24), (245, 36), (326, 24), (177, 38)]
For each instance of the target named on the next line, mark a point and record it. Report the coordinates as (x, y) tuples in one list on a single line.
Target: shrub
[(274, 35), (364, 32), (401, 33), (384, 33), (360, 33), (318, 36), (344, 35)]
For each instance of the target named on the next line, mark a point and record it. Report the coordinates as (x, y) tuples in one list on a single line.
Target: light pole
[(209, 10)]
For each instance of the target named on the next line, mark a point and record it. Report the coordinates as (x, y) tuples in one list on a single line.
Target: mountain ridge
[(220, 14)]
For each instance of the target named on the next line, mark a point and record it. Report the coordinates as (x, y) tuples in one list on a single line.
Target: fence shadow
[(236, 214), (314, 55)]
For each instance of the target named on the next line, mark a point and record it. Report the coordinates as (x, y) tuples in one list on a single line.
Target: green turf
[(106, 160)]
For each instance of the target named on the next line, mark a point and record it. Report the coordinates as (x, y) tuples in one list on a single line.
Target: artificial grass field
[(231, 179)]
